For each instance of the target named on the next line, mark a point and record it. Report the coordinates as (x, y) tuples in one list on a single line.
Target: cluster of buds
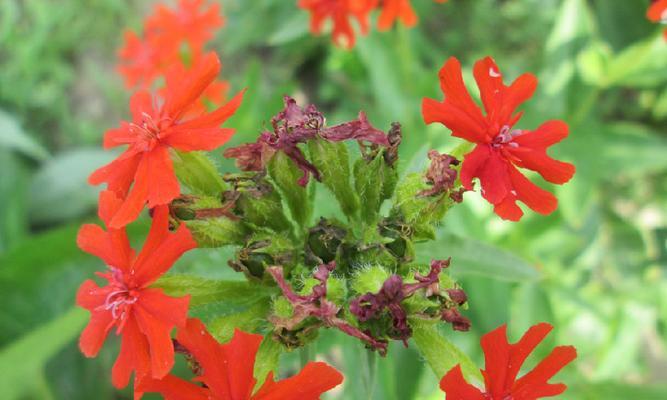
[(355, 272)]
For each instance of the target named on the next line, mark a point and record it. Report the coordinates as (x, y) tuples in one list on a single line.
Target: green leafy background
[(595, 268)]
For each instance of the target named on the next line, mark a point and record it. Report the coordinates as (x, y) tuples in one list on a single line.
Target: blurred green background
[(595, 268)]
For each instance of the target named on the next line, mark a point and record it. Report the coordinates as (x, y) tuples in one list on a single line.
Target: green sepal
[(440, 354), (197, 171), (333, 162), (286, 174), (209, 232), (420, 212), (250, 319), (375, 181), (205, 292), (264, 211)]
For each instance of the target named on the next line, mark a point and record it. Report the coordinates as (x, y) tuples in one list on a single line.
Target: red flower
[(503, 362), (144, 317), (500, 148), (398, 9), (142, 60), (657, 12), (340, 12), (153, 131), (190, 22), (227, 372)]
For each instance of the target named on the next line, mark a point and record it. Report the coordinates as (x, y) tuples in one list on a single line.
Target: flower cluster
[(657, 12), (306, 272), (341, 12), (172, 43)]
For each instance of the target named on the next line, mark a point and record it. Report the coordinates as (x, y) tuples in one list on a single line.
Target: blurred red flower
[(398, 9), (503, 362), (340, 12), (144, 317), (500, 148), (227, 371), (146, 164), (166, 33), (657, 12)]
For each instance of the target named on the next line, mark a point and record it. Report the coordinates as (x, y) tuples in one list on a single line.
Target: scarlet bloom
[(340, 12), (503, 362), (227, 372), (143, 316), (402, 10), (657, 12), (500, 148), (192, 23), (155, 128)]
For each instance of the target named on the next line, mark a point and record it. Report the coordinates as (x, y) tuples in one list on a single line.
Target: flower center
[(121, 297), (149, 130), (506, 137)]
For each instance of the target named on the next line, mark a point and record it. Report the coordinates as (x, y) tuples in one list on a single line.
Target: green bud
[(324, 240), (282, 308), (374, 181), (286, 174), (333, 162), (369, 279)]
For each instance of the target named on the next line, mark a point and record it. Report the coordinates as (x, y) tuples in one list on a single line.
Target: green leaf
[(333, 162), (198, 172), (206, 291), (440, 353), (473, 257), (268, 357), (264, 211), (13, 137), (23, 361), (60, 190), (286, 174), (217, 232), (643, 64), (611, 390), (250, 319)]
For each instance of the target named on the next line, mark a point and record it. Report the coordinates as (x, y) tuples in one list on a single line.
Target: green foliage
[(198, 172), (286, 174)]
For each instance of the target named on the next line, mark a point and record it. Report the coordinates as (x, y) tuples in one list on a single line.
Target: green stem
[(306, 354), (369, 372)]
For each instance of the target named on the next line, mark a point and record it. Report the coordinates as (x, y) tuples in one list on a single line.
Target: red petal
[(171, 310), (508, 209), (453, 118), (396, 9), (119, 173), (158, 335), (551, 170), (158, 233), (490, 83), (118, 136), (93, 336), (133, 355), (547, 134), (108, 205), (656, 10), (473, 163), (538, 199), (494, 178), (206, 139), (456, 93), (217, 117), (91, 296), (522, 349), (151, 268), (174, 388), (191, 86), (163, 186), (208, 353), (136, 199), (313, 380), (518, 92), (456, 387), (496, 361), (94, 240), (240, 353), (534, 384), (141, 103)]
